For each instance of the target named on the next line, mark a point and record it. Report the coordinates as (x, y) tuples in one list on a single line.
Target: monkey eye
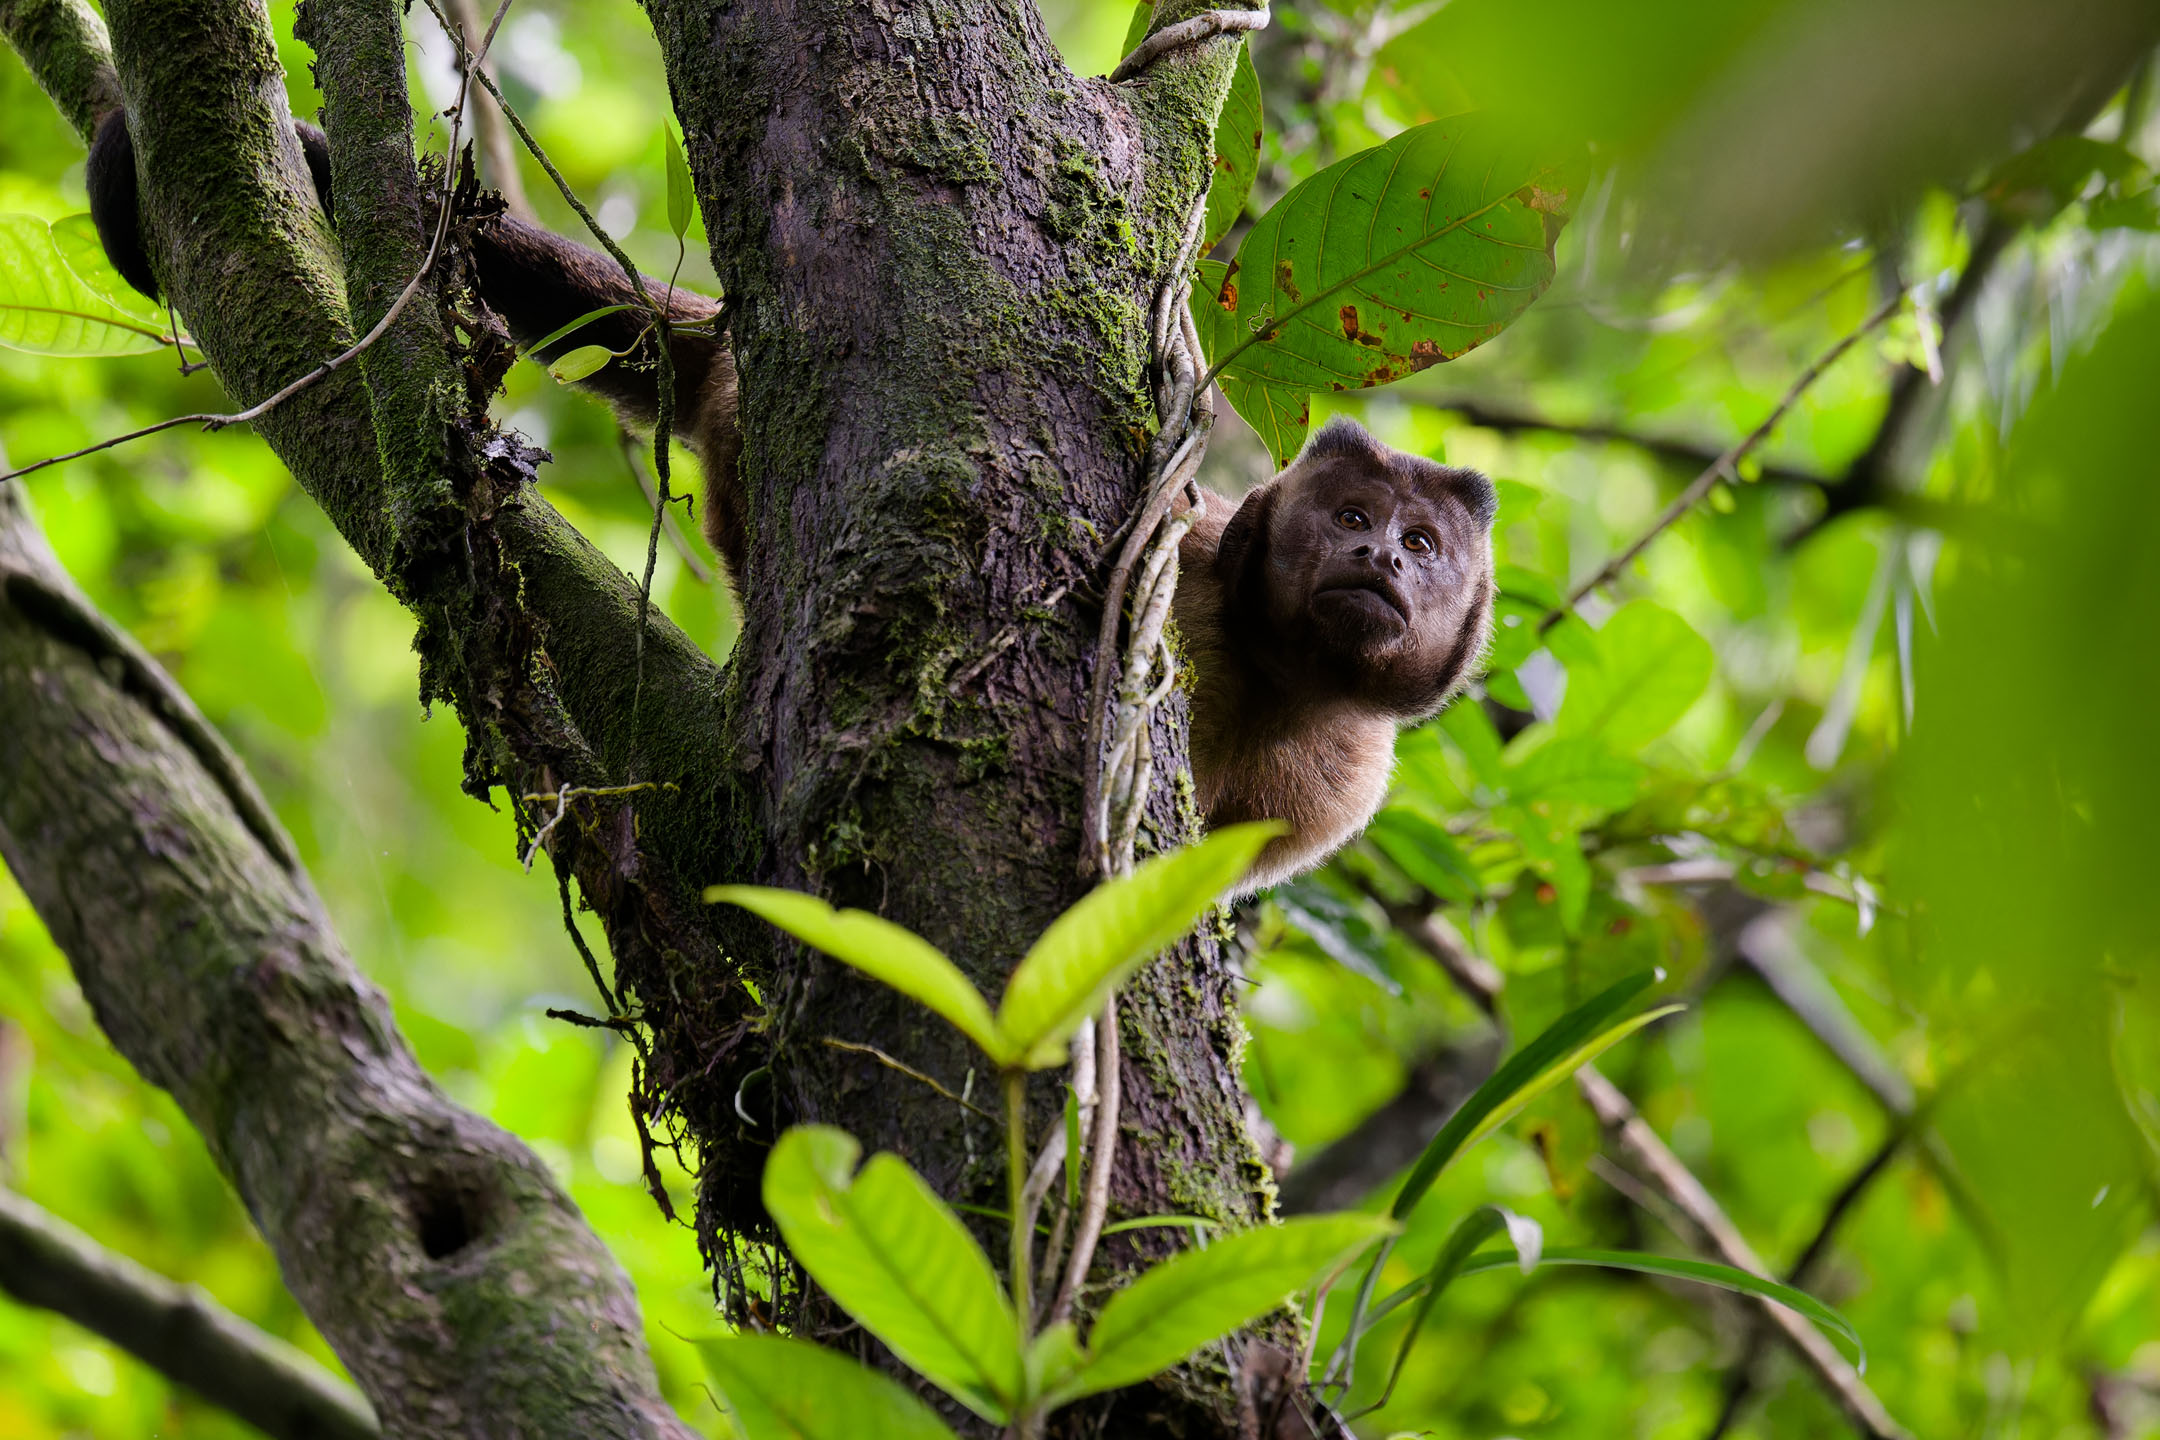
[(1352, 518), (1419, 542)]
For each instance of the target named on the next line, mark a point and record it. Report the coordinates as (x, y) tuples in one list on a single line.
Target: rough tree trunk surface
[(939, 248)]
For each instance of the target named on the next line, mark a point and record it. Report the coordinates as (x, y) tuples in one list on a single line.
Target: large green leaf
[(1650, 666), (775, 1388), (1237, 151), (1395, 259), (1524, 1075), (888, 1250), (1202, 1295), (1089, 950), (881, 950), (47, 309)]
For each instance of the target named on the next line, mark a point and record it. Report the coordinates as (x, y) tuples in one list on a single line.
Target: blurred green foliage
[(1921, 740)]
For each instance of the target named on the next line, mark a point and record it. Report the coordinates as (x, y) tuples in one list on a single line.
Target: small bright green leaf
[(1650, 667), (888, 1250), (1725, 1277), (880, 949), (681, 195), (1143, 16), (47, 309), (579, 363), (1237, 151), (77, 238), (578, 324), (775, 1388), (1518, 1081), (1384, 264), (1053, 1358), (1089, 950), (1202, 1295), (1425, 852)]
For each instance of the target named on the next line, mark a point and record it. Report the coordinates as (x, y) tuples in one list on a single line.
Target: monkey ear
[(1244, 539)]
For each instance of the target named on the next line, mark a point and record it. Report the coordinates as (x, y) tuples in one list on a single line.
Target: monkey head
[(1362, 573)]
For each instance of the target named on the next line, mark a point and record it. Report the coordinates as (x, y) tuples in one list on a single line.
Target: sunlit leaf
[(1202, 1295), (581, 362), (575, 325), (892, 1255), (47, 309), (84, 252), (775, 1388), (880, 949), (1576, 770), (1089, 950), (1237, 151), (681, 194), (1382, 265), (1651, 666), (1520, 1079)]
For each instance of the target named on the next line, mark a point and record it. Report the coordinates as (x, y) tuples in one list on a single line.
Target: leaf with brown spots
[(1421, 249)]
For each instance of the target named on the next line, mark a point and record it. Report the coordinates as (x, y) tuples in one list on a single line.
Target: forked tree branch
[(181, 1333)]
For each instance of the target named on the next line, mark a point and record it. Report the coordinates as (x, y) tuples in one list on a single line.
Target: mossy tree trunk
[(939, 248)]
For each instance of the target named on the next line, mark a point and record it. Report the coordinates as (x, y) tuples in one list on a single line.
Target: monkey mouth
[(1372, 601)]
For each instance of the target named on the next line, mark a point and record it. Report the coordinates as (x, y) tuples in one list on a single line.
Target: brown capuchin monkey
[(537, 282), (1349, 595)]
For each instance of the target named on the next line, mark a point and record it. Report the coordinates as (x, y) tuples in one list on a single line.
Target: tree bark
[(434, 1251), (940, 249)]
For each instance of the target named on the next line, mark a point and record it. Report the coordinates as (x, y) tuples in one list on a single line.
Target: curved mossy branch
[(435, 1252), (65, 45)]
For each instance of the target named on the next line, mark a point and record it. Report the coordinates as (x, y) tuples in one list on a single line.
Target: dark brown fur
[(1312, 639), (538, 282)]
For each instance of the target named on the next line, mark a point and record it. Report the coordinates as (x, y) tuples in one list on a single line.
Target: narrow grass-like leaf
[(47, 309), (1471, 1232), (1510, 1087), (1072, 1149), (1202, 1295), (681, 196), (1237, 151), (1703, 1272), (883, 1245), (579, 363), (575, 325), (1090, 949), (775, 1388), (1160, 1222), (880, 949)]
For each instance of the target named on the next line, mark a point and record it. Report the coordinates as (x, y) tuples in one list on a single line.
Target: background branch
[(179, 1332)]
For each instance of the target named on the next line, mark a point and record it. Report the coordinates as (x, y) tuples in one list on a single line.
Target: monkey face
[(1370, 570)]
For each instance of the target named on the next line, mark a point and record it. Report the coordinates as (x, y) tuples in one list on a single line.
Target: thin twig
[(1102, 1147), (1190, 31), (908, 1070), (702, 572), (1724, 466), (561, 799)]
